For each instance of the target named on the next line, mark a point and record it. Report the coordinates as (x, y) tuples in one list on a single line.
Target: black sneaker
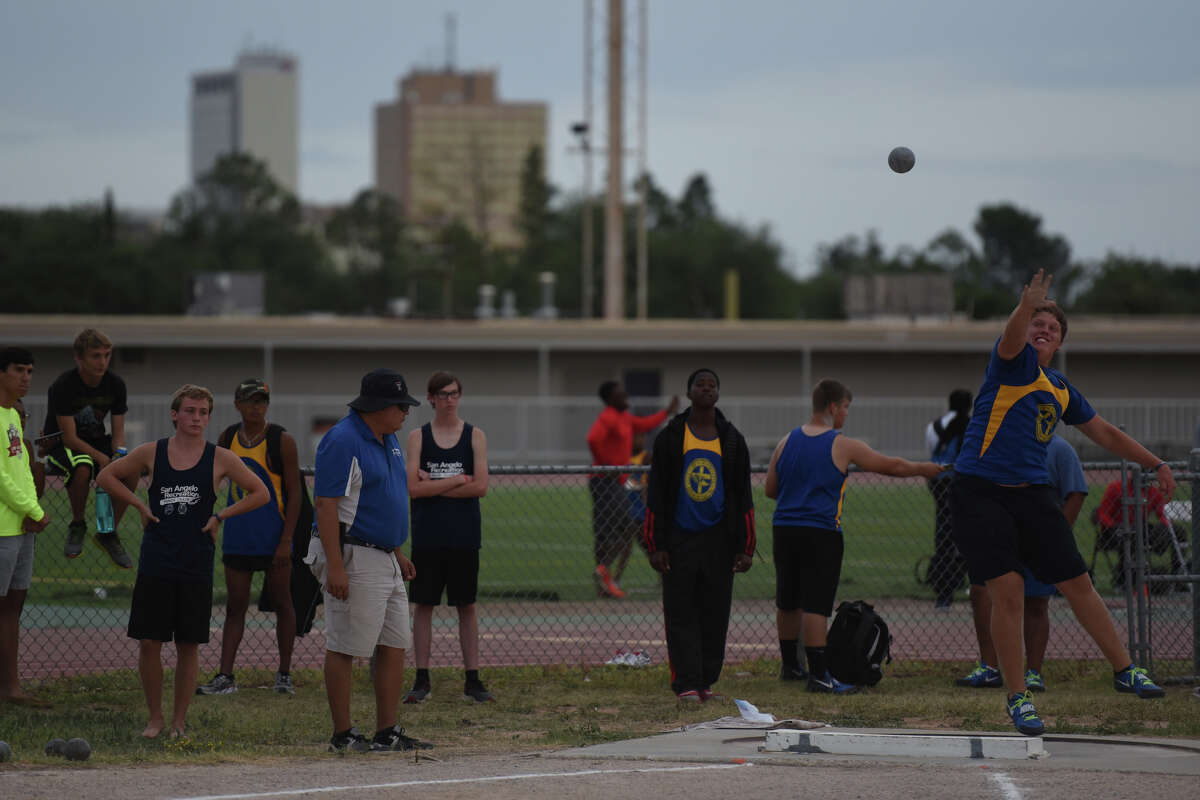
[(350, 740), (111, 544), (477, 692), (787, 673), (419, 693), (390, 740), (76, 532)]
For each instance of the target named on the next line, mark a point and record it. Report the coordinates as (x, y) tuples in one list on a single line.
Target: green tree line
[(356, 258)]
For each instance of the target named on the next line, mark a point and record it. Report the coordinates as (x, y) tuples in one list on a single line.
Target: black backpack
[(858, 644), (306, 592)]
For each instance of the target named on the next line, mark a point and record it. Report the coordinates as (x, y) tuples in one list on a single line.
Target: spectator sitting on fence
[(943, 438), (261, 540), (21, 518), (172, 597), (1067, 478), (611, 441), (1004, 511), (807, 476), (77, 403), (699, 531), (1108, 518), (447, 474)]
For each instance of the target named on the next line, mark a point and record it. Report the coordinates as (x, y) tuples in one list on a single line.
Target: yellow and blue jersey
[(257, 532), (811, 487), (701, 503), (1016, 412)]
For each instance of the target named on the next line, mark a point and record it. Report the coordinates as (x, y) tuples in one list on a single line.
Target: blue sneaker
[(1024, 715), (829, 685), (982, 677), (1034, 681), (1135, 680)]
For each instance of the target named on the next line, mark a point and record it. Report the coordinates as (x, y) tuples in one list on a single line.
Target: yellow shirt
[(18, 497)]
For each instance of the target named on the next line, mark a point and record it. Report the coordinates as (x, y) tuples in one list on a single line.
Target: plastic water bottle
[(104, 512)]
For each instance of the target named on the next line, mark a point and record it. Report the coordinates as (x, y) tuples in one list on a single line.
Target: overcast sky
[(1086, 112)]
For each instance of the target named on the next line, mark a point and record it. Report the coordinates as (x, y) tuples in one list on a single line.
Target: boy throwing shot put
[(1006, 515), (172, 598)]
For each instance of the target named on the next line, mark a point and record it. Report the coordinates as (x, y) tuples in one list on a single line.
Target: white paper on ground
[(752, 714)]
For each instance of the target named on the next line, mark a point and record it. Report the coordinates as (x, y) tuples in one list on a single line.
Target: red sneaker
[(607, 583)]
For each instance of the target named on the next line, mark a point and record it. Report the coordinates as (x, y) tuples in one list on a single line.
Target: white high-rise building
[(251, 109)]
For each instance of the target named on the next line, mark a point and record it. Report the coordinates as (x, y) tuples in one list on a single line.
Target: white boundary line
[(1007, 787), (448, 781)]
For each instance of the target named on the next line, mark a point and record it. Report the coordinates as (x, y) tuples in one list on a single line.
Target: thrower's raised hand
[(1034, 293)]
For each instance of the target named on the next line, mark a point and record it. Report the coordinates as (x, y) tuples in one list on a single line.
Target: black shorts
[(166, 610), (1002, 529), (62, 460), (808, 566), (456, 571), (247, 563)]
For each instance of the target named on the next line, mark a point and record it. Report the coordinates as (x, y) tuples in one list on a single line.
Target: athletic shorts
[(164, 609), (16, 562), (1035, 588), (1002, 529), (454, 570), (62, 460), (247, 563), (376, 609), (808, 566)]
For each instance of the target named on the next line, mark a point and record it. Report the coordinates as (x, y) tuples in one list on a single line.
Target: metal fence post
[(1194, 468)]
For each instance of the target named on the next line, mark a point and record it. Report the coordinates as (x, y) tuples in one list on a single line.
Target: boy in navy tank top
[(172, 598), (447, 474), (807, 478)]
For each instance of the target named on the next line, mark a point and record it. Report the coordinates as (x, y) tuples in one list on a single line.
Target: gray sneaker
[(220, 684), (419, 693), (351, 740), (111, 544), (283, 684), (76, 532)]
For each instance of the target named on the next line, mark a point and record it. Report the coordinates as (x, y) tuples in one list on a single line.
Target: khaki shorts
[(376, 609), (16, 562)]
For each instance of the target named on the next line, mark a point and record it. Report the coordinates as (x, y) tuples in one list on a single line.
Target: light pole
[(582, 131)]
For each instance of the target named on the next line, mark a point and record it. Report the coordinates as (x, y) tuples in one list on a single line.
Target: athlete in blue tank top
[(807, 477), (1006, 518)]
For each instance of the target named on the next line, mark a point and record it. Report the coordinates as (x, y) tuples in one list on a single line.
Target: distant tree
[(370, 233), (1132, 285), (1014, 247)]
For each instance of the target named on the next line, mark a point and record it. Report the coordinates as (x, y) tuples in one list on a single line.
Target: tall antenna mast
[(643, 246), (614, 212), (451, 40)]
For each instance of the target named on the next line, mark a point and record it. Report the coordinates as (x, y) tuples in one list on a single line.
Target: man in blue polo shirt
[(361, 514)]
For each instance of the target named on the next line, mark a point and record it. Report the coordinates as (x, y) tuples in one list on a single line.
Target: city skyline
[(1082, 112)]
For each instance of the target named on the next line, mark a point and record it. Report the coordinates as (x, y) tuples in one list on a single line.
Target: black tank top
[(446, 522), (174, 547)]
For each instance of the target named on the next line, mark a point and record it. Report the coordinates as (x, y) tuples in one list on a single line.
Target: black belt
[(345, 538), (348, 539)]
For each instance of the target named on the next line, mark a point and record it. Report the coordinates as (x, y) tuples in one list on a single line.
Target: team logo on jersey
[(1047, 418), (700, 480)]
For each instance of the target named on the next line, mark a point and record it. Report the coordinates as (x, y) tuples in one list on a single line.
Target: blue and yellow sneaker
[(1135, 680), (1024, 715), (982, 677), (1034, 681)]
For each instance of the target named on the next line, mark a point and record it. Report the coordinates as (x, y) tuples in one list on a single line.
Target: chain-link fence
[(540, 600)]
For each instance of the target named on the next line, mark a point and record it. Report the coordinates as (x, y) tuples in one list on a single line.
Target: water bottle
[(104, 512)]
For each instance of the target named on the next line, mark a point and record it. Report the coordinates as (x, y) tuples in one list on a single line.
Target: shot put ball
[(901, 159), (56, 747), (5, 752), (78, 750)]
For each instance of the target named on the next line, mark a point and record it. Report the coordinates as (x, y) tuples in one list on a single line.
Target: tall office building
[(448, 149), (250, 109)]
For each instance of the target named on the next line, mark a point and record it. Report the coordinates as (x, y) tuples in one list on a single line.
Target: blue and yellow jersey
[(701, 503), (1016, 411), (811, 487), (257, 532)]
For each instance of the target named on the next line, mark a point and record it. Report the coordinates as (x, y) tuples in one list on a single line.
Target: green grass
[(542, 708), (538, 543)]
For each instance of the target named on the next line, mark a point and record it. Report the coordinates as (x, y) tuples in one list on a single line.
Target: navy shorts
[(164, 610), (1002, 529), (455, 571), (808, 566)]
